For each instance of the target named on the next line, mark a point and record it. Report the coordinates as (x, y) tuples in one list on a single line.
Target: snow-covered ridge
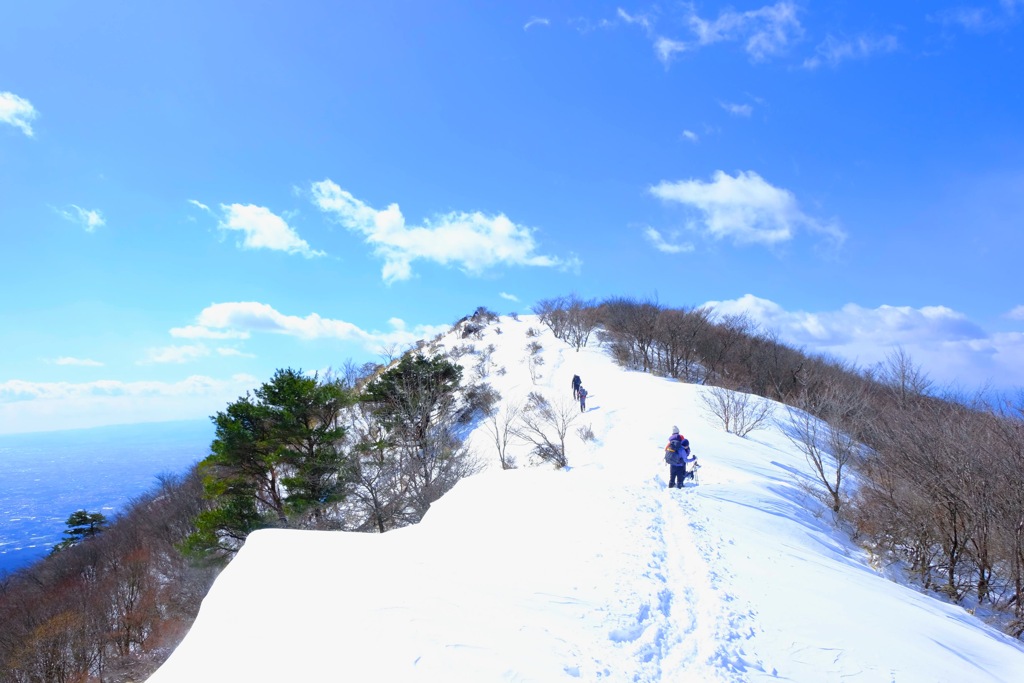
[(595, 572)]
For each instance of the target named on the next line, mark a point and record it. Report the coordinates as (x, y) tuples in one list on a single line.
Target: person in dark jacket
[(576, 381), (582, 393), (675, 454)]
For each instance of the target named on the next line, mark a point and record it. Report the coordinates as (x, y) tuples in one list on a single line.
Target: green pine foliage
[(81, 525), (277, 460)]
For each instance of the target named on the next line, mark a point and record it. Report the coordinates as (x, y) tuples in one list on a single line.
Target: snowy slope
[(597, 572)]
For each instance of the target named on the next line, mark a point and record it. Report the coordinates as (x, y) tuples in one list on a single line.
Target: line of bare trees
[(941, 477)]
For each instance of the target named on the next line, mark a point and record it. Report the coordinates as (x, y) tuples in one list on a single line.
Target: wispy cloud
[(263, 229), (508, 297), (642, 20), (1017, 313), (764, 32), (744, 110), (474, 242), (535, 21), (833, 50), (175, 354), (663, 245), (691, 136), (198, 204), (198, 332), (251, 317), (228, 351), (18, 112), (84, 362), (981, 20), (87, 218), (38, 406), (943, 341), (745, 209)]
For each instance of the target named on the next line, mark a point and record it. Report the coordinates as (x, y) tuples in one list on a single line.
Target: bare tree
[(828, 442), (554, 314), (580, 321), (740, 413), (631, 326), (726, 345), (544, 425), (502, 428), (905, 381), (534, 361)]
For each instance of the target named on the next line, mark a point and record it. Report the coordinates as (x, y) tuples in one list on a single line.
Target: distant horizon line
[(112, 426)]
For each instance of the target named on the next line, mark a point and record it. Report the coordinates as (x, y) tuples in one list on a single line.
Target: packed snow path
[(593, 573)]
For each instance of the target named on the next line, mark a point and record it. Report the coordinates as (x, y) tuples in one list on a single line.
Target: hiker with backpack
[(682, 464), (576, 381), (582, 393), (674, 455)]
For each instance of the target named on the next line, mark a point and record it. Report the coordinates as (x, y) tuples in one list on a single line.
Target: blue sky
[(194, 194)]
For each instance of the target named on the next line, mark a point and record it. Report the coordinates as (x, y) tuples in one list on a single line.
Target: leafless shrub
[(586, 433), (462, 350), (532, 332), (534, 363), (483, 365), (473, 329), (544, 425), (479, 398), (739, 413), (502, 428), (828, 442)]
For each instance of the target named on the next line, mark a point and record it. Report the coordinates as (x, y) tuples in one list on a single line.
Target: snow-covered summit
[(594, 572)]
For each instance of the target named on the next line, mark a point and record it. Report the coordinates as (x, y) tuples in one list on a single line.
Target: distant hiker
[(675, 454), (576, 381), (582, 393)]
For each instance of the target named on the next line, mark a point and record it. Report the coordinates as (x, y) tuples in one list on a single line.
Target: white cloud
[(981, 19), (200, 205), (737, 109), (508, 297), (691, 136), (176, 354), (475, 242), (236, 353), (764, 32), (767, 31), (262, 229), (662, 245), (198, 332), (639, 19), (666, 48), (745, 209), (41, 406), (248, 317), (85, 362), (88, 219), (536, 21), (950, 347), (17, 111), (832, 50), (1017, 313)]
